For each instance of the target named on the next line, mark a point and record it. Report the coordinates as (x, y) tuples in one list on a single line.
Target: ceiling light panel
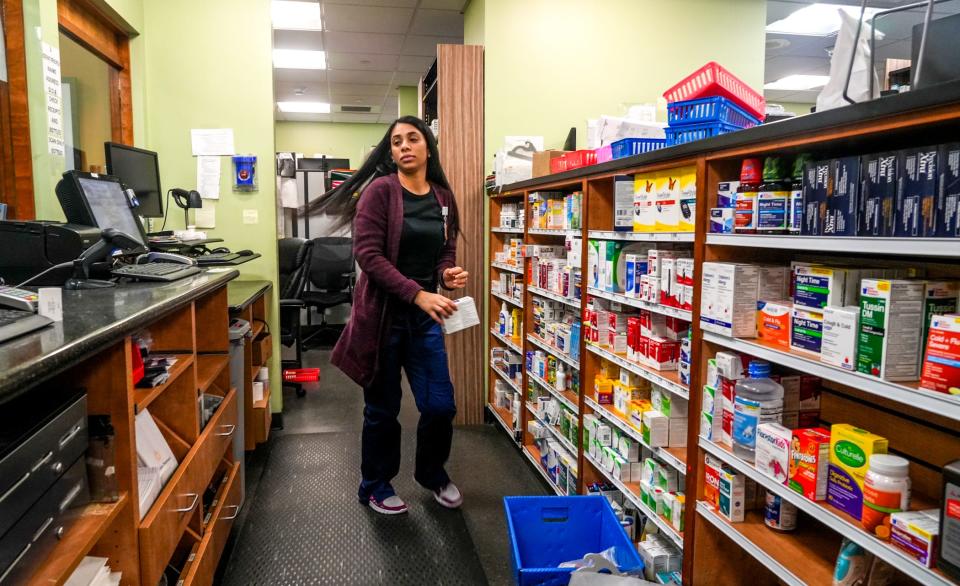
[(819, 19), (299, 59), (304, 107), (798, 82), (296, 15)]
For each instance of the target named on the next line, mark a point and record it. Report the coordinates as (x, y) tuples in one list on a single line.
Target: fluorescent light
[(818, 19), (798, 82), (299, 59), (304, 107), (294, 15)]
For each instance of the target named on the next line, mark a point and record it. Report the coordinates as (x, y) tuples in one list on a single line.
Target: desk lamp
[(186, 200)]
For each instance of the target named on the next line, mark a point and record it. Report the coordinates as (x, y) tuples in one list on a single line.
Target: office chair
[(294, 260), (331, 276)]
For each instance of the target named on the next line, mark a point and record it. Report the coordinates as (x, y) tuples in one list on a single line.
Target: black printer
[(27, 248)]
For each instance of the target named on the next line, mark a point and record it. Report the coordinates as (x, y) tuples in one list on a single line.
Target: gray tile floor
[(484, 462)]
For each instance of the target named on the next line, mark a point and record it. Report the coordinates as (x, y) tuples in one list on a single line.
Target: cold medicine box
[(816, 179), (948, 196), (728, 299), (878, 192), (891, 320), (916, 197), (841, 219)]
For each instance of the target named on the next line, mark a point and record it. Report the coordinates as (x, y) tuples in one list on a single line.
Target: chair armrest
[(291, 303)]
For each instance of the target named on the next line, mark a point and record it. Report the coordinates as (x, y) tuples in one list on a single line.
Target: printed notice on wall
[(212, 141), (208, 177), (205, 217), (54, 99)]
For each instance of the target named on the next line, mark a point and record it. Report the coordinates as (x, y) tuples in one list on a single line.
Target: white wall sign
[(54, 99)]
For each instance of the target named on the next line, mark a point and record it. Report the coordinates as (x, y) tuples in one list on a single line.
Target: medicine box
[(644, 203), (916, 197), (773, 451), (810, 462), (729, 366), (773, 282), (891, 320), (728, 299), (816, 178), (939, 298), (667, 479), (850, 451), (688, 198), (667, 206), (806, 330), (731, 499), (815, 287), (623, 188), (917, 534), (727, 194), (941, 359), (878, 192), (772, 210), (721, 220), (839, 341), (711, 480), (773, 323), (948, 192), (655, 429), (841, 219)]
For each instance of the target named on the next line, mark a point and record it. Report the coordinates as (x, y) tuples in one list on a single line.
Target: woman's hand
[(455, 278), (436, 306)]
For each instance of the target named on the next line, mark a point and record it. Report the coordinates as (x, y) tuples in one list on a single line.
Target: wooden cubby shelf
[(921, 426), (209, 367), (143, 397)]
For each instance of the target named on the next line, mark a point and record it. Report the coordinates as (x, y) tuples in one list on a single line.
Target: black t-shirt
[(421, 238)]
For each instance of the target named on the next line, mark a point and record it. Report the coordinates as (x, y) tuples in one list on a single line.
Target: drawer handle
[(12, 489), (15, 562), (42, 461), (236, 511), (228, 433), (71, 434), (196, 497)]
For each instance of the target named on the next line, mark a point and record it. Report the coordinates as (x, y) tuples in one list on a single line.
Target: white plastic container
[(758, 400), (886, 489)]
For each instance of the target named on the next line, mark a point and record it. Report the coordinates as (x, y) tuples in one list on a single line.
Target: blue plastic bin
[(546, 531), (627, 147), (689, 133), (714, 109)]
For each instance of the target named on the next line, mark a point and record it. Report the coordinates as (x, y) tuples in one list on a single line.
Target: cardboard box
[(917, 194), (668, 202), (891, 322), (816, 178), (721, 220), (728, 299), (815, 287), (941, 359), (745, 212), (727, 194), (878, 193), (623, 189), (773, 322), (839, 341), (948, 194), (541, 161), (806, 330), (842, 202), (809, 462), (656, 429), (850, 451), (773, 451), (917, 533), (773, 282), (711, 480), (688, 198), (644, 203), (732, 495), (939, 298), (772, 214)]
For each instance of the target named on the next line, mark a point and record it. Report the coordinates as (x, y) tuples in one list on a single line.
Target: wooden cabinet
[(248, 301)]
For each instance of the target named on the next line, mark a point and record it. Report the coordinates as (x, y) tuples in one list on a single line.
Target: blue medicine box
[(878, 191), (948, 195), (916, 197), (842, 190), (546, 531), (816, 178)]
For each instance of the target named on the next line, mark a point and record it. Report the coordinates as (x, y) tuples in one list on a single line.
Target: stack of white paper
[(149, 486), (465, 316), (155, 460), (93, 571)]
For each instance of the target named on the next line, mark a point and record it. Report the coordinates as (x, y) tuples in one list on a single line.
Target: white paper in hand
[(465, 316)]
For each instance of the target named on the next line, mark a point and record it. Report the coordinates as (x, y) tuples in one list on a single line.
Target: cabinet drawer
[(262, 350), (164, 524), (204, 565), (262, 418)]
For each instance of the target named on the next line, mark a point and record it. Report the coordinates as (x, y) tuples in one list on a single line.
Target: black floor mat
[(305, 525)]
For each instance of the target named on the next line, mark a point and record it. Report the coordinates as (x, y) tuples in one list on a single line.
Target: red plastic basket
[(577, 159), (713, 80), (558, 164)]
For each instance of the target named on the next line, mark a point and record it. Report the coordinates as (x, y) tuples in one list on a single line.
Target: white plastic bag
[(831, 96), (514, 161)]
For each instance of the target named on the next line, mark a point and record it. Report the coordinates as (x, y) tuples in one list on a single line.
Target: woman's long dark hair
[(341, 201)]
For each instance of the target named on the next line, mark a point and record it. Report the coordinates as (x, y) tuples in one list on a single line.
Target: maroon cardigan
[(376, 246)]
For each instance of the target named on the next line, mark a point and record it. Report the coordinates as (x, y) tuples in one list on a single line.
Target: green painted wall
[(407, 96), (221, 78), (337, 139), (565, 61)]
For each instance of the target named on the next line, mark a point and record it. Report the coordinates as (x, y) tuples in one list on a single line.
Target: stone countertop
[(92, 320), (242, 293)]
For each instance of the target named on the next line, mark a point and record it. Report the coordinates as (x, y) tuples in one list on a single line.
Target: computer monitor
[(139, 170), (90, 199)]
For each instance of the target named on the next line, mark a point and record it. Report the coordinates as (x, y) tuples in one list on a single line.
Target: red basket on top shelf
[(713, 80), (583, 158)]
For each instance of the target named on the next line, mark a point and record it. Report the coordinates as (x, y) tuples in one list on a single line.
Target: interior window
[(86, 106)]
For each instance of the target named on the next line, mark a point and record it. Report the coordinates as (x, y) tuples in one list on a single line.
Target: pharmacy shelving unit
[(921, 426)]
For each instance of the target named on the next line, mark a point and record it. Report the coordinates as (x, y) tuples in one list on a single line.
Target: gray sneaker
[(449, 496)]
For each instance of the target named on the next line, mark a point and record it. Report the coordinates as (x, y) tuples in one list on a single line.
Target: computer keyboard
[(216, 257), (15, 322), (156, 271)]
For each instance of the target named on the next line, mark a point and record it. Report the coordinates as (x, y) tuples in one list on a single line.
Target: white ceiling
[(799, 54), (372, 48)]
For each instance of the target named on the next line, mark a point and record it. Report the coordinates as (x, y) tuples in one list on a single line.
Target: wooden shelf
[(209, 367), (533, 454), (668, 379), (572, 303), (256, 328), (77, 542), (553, 350), (513, 384), (508, 299), (509, 342), (641, 236), (505, 267), (915, 247), (805, 556), (143, 397), (568, 398), (673, 457), (503, 416), (554, 431), (666, 310)]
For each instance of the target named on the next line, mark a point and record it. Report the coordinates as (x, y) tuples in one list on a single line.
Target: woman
[(405, 227)]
